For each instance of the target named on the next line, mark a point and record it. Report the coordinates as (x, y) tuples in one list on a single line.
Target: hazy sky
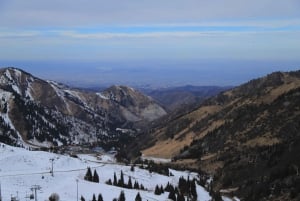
[(138, 41)]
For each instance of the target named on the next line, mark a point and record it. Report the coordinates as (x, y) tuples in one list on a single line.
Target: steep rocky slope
[(248, 138), (35, 111)]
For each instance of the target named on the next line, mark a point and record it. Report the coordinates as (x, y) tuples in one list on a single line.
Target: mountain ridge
[(245, 137), (46, 111)]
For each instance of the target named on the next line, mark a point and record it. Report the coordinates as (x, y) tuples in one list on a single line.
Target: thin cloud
[(19, 34), (70, 13), (73, 34)]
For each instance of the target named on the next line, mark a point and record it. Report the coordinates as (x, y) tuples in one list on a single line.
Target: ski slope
[(21, 169)]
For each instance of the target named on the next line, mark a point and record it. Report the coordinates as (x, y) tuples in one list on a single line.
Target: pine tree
[(94, 197), (172, 195), (53, 197), (122, 196), (138, 197), (122, 179), (129, 185), (142, 187), (115, 183), (82, 198), (88, 176), (180, 197), (108, 182), (95, 177), (217, 196), (162, 189), (100, 198), (136, 185), (193, 189), (176, 190), (182, 185), (168, 187), (157, 190)]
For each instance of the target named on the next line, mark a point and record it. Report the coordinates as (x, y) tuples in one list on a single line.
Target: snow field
[(20, 169)]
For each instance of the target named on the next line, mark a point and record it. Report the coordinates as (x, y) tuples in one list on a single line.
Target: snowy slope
[(20, 169)]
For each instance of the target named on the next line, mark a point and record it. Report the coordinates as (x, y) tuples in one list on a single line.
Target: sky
[(140, 42)]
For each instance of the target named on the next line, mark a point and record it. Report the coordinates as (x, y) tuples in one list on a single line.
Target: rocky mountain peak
[(35, 110)]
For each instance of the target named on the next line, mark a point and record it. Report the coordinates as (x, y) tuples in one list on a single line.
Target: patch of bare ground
[(289, 84), (210, 166), (204, 111), (209, 128), (265, 140), (191, 163), (168, 148)]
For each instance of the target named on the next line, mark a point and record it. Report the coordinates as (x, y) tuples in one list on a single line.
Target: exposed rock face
[(45, 112), (134, 105)]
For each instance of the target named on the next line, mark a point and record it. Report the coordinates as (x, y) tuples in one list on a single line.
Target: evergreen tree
[(121, 182), (82, 198), (53, 197), (136, 185), (95, 177), (138, 197), (122, 196), (122, 179), (115, 183), (108, 182), (180, 197), (217, 197), (94, 197), (176, 191), (193, 189), (162, 189), (168, 187), (157, 190), (88, 176), (100, 198), (142, 187), (132, 168), (183, 185), (129, 185), (172, 195)]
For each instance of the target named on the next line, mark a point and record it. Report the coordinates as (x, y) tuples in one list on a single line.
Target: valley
[(231, 143), (149, 100)]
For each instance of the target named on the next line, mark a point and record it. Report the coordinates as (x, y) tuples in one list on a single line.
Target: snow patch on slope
[(102, 96)]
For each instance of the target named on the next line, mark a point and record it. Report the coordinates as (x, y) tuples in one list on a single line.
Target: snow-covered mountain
[(35, 111), (22, 170)]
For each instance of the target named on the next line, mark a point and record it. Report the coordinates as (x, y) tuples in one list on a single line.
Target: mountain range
[(175, 99), (246, 139), (45, 113)]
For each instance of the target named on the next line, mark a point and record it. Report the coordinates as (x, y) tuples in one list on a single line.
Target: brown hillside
[(243, 137)]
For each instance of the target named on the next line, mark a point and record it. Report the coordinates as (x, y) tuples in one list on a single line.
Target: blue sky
[(150, 42)]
